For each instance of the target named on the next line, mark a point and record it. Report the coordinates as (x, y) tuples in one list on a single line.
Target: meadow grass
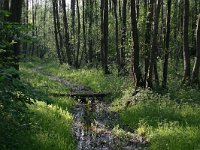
[(50, 123), (166, 123), (170, 120), (92, 78)]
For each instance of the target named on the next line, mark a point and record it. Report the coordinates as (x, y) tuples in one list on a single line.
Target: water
[(93, 124), (93, 130)]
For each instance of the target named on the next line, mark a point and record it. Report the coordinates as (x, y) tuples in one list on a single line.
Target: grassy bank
[(170, 120), (30, 118)]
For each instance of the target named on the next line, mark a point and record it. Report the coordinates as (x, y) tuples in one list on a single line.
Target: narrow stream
[(93, 124), (92, 131)]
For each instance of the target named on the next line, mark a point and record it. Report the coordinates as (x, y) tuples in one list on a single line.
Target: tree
[(117, 36), (135, 50), (165, 66), (104, 35), (195, 71), (153, 46), (186, 54), (56, 31), (149, 19), (67, 43), (12, 56), (90, 38), (123, 39)]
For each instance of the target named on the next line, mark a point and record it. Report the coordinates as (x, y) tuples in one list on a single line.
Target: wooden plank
[(81, 94)]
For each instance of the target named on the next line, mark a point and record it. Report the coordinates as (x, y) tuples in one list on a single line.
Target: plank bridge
[(83, 97)]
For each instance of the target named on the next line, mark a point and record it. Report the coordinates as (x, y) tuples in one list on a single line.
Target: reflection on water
[(90, 130)]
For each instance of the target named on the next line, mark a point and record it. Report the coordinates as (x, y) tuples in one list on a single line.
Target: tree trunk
[(117, 36), (67, 43), (90, 50), (102, 33), (195, 72), (123, 39), (135, 52), (84, 32), (148, 37), (186, 54), (56, 32), (105, 38), (16, 10), (154, 46), (79, 31), (165, 66)]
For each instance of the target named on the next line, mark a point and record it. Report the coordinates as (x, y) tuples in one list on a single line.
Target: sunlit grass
[(167, 124), (171, 121), (92, 78), (51, 128), (50, 123)]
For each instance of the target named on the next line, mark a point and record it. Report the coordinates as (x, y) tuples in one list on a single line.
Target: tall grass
[(50, 123), (167, 124)]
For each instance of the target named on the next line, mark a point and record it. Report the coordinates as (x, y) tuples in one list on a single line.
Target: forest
[(99, 74)]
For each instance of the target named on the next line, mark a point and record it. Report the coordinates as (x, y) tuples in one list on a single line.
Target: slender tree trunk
[(73, 3), (67, 43), (56, 32), (79, 31), (33, 27), (165, 66), (105, 38), (195, 72), (102, 33), (154, 46), (123, 39), (15, 17), (135, 56), (148, 37), (117, 36), (186, 54), (90, 52)]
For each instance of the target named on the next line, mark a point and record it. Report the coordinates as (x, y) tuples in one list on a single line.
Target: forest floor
[(93, 123), (161, 119)]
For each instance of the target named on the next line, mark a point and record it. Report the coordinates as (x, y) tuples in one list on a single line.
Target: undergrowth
[(30, 117), (166, 123), (170, 119)]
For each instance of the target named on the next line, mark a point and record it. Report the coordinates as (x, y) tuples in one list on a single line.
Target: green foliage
[(13, 100), (30, 119), (166, 123), (92, 78), (50, 128)]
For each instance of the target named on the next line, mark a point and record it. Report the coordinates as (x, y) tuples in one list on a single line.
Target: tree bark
[(79, 31), (15, 8), (90, 50), (165, 66), (105, 36), (154, 46), (135, 52), (117, 36), (148, 37), (195, 72), (186, 54), (123, 39), (56, 32), (67, 43)]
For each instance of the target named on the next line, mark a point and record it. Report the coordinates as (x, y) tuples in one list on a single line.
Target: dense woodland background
[(120, 34), (153, 42)]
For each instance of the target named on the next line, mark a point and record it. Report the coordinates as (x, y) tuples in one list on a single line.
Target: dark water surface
[(93, 130)]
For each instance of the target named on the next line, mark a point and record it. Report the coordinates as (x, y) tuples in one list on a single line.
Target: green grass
[(45, 124), (50, 128), (170, 121), (166, 123), (92, 78)]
